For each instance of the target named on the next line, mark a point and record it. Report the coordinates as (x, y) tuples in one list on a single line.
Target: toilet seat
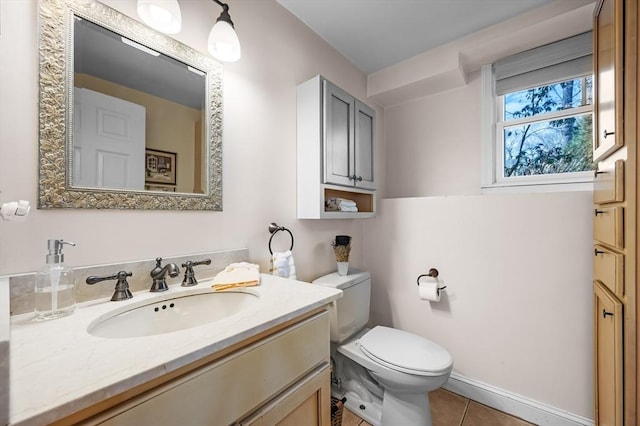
[(405, 352)]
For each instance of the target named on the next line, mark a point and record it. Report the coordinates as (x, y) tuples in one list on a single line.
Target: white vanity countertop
[(58, 368)]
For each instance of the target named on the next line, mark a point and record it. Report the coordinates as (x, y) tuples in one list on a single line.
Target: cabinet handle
[(597, 172), (605, 133), (605, 314), (597, 212), (597, 252)]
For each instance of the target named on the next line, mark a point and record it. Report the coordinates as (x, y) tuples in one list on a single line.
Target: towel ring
[(273, 229)]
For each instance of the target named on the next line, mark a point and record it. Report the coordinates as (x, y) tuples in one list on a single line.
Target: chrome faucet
[(159, 273)]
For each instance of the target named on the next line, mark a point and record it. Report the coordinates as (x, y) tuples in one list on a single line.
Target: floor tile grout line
[(464, 413)]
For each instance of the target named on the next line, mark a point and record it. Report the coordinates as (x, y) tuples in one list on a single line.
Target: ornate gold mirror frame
[(56, 112)]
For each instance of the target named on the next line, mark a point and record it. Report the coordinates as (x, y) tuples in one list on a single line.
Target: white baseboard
[(510, 403)]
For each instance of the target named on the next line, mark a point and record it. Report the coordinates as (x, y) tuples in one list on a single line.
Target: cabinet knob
[(605, 133), (359, 178), (606, 314)]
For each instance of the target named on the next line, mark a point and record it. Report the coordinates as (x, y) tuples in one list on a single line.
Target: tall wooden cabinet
[(615, 278)]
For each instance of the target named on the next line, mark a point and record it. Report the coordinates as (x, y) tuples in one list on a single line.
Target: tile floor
[(450, 409)]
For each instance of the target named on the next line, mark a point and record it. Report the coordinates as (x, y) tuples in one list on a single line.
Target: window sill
[(521, 188)]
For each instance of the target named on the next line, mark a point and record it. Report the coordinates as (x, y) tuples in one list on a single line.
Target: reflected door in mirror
[(109, 141)]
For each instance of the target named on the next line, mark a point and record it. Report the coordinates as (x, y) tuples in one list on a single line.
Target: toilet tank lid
[(343, 281)]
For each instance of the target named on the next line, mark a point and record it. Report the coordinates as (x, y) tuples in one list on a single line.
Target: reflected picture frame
[(160, 167)]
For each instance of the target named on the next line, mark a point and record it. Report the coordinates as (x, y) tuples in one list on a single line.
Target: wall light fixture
[(165, 16), (161, 15), (223, 41)]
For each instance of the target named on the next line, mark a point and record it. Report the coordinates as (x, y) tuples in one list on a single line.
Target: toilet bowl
[(385, 373)]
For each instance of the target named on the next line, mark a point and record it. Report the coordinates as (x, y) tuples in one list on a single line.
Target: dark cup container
[(343, 240)]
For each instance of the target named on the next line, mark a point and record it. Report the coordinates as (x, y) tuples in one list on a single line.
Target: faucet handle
[(122, 291), (189, 276)]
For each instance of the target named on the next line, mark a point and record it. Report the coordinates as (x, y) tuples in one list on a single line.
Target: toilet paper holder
[(433, 273)]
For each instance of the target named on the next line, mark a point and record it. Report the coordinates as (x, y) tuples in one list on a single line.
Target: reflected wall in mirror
[(111, 91)]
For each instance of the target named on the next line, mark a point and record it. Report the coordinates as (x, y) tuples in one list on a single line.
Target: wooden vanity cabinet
[(335, 151), (282, 378), (615, 213)]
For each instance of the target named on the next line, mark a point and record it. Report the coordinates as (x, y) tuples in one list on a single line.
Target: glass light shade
[(223, 42), (161, 15)]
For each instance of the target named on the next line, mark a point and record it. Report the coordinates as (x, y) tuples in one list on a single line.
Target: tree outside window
[(548, 129)]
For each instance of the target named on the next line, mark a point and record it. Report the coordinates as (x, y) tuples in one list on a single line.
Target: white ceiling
[(374, 34)]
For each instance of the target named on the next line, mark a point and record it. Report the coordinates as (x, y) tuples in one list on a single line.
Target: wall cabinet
[(280, 379), (335, 151), (608, 94), (615, 212)]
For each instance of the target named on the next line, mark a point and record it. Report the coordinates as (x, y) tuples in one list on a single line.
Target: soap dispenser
[(55, 288)]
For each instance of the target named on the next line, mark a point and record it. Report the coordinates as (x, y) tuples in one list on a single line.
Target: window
[(537, 120)]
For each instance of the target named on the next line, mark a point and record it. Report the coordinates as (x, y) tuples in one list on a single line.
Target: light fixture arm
[(224, 16)]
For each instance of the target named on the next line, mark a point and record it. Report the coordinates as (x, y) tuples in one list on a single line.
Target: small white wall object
[(14, 210)]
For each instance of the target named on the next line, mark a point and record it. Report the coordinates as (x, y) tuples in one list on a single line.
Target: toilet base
[(406, 409)]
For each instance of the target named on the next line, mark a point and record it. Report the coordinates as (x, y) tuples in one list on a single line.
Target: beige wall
[(517, 312), (517, 266), (258, 150)]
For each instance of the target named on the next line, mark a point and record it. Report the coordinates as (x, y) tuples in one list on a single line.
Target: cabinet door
[(608, 94), (338, 135), (364, 146), (306, 403), (608, 357)]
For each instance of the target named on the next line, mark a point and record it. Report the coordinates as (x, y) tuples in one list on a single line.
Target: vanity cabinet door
[(608, 357), (302, 404)]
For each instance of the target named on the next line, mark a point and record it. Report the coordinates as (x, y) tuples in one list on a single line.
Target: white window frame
[(492, 146)]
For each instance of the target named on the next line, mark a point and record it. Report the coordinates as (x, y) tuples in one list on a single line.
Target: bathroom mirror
[(129, 118)]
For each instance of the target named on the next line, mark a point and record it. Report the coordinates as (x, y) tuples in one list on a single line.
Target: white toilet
[(384, 373)]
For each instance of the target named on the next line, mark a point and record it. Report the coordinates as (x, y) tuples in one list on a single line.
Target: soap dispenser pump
[(55, 288)]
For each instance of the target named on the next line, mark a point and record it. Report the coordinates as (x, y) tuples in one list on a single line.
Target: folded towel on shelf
[(345, 202), (242, 274), (282, 265), (340, 204)]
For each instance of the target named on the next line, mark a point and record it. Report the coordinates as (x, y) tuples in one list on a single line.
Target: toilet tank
[(350, 313)]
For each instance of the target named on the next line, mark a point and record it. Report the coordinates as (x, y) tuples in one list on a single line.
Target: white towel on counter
[(282, 265), (242, 274)]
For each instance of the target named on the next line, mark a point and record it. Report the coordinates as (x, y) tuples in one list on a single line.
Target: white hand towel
[(282, 265), (348, 208), (241, 274)]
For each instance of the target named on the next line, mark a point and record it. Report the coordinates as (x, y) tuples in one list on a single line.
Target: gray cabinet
[(348, 139), (335, 151)]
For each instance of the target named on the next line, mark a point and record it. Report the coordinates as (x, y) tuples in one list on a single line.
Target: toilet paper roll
[(428, 290)]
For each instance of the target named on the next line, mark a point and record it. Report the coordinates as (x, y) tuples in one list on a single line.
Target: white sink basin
[(171, 314)]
